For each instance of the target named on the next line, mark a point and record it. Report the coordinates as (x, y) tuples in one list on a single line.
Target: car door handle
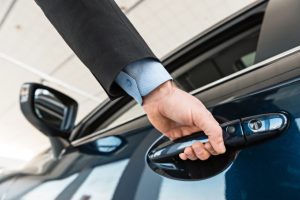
[(237, 134)]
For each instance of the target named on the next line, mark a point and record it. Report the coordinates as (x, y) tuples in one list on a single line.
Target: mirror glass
[(49, 108)]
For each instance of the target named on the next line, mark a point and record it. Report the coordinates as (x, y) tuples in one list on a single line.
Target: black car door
[(269, 170), (265, 170)]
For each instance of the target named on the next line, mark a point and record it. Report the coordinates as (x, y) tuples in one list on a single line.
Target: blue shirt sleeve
[(141, 77)]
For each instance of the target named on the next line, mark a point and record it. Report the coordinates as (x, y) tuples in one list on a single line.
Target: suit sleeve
[(100, 35)]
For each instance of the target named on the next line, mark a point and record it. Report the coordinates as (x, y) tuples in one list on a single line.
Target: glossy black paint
[(269, 170)]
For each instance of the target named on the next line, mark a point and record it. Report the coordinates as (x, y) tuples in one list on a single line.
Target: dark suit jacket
[(100, 35)]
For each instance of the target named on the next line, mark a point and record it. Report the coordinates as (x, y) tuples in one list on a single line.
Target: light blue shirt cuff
[(140, 78)]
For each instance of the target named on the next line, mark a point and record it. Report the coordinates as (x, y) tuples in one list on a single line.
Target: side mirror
[(50, 111)]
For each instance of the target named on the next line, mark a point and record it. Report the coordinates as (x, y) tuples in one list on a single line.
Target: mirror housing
[(50, 111)]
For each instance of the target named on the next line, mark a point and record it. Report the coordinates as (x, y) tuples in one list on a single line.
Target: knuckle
[(207, 145), (197, 146), (188, 151), (191, 156), (201, 154), (177, 135)]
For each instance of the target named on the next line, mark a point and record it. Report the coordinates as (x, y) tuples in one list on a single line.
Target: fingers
[(183, 156), (196, 151), (200, 151), (189, 152), (210, 149)]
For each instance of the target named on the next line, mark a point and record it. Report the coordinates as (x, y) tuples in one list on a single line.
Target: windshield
[(32, 51)]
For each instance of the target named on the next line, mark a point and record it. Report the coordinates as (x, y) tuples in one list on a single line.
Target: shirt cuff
[(140, 78)]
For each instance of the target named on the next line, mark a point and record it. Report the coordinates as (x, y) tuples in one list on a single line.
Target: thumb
[(215, 137), (205, 121)]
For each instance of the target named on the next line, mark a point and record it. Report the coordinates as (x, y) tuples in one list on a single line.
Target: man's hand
[(176, 113)]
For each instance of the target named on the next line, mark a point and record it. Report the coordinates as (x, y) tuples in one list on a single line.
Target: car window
[(133, 112), (226, 59), (100, 184)]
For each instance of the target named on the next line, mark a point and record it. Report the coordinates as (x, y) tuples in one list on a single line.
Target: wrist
[(160, 92)]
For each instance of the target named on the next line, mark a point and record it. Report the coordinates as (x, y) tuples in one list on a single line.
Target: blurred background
[(32, 51)]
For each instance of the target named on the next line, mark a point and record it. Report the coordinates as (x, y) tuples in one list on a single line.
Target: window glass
[(133, 112), (248, 59), (237, 54)]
